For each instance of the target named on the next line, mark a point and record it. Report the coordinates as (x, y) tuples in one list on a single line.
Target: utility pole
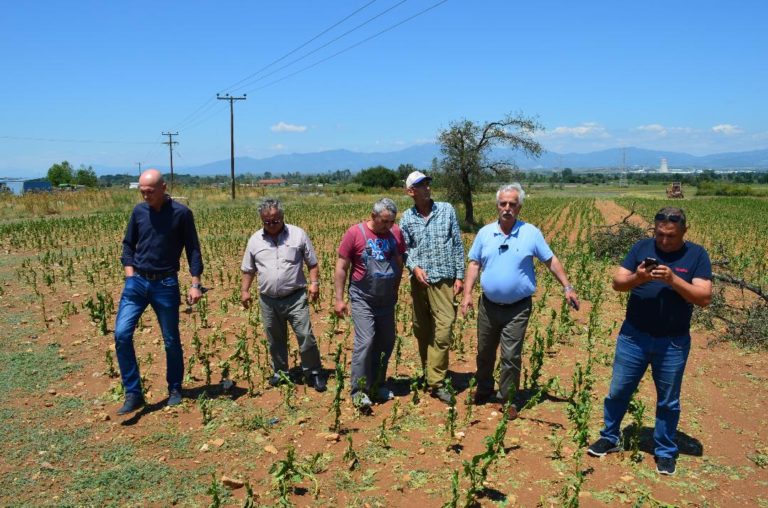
[(170, 144), (232, 100), (139, 163)]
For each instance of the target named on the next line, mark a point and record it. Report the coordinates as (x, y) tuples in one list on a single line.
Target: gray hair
[(514, 186), (673, 210), (268, 204), (384, 204)]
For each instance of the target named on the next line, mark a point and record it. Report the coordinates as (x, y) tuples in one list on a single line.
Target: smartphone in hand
[(651, 263)]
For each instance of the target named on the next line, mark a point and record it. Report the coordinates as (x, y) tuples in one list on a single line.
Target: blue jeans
[(163, 295), (667, 357)]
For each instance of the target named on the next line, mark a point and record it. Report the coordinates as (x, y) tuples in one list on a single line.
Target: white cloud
[(585, 130), (727, 129), (278, 147), (663, 130), (654, 128), (287, 127)]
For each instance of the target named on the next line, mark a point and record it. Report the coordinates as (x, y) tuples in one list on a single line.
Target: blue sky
[(96, 82)]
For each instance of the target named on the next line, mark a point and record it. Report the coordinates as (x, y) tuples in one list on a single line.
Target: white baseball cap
[(415, 178)]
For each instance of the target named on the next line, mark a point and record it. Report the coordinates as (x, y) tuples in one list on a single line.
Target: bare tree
[(466, 147)]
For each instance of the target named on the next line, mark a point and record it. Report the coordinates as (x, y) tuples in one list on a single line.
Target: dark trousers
[(503, 325), (276, 313)]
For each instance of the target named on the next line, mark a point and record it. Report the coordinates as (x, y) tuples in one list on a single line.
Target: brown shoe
[(511, 412)]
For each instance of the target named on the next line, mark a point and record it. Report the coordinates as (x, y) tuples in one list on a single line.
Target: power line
[(273, 62), (210, 102), (328, 43), (204, 107), (204, 119), (359, 43), (377, 34), (59, 140)]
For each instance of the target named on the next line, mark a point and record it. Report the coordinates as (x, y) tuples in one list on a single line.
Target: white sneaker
[(361, 400)]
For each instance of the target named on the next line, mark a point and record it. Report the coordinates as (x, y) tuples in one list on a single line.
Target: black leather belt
[(154, 275), (299, 290), (504, 304)]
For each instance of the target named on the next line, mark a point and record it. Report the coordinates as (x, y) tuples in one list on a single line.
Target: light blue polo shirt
[(507, 272)]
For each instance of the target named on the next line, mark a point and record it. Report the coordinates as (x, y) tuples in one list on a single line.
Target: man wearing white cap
[(435, 258)]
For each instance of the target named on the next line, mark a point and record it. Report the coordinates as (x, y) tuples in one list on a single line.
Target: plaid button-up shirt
[(434, 244)]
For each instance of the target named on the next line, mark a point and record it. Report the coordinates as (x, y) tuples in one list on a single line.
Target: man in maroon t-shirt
[(374, 249)]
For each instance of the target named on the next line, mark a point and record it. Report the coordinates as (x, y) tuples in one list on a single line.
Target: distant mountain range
[(421, 156)]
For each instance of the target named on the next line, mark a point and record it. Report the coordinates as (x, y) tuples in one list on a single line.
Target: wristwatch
[(197, 285)]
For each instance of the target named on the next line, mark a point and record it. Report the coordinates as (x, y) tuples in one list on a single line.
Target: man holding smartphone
[(504, 251), (667, 276)]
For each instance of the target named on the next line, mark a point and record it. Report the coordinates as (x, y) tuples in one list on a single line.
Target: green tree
[(60, 173), (403, 170), (86, 176), (377, 176), (466, 148)]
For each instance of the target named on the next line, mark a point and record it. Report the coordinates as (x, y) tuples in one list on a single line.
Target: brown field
[(63, 443)]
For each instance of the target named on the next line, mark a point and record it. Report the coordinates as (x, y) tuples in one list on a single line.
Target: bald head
[(151, 177), (152, 188)]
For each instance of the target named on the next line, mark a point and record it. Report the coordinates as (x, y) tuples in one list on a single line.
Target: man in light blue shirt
[(504, 251)]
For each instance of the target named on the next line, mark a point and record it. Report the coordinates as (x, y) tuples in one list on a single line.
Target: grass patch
[(135, 482), (180, 445), (58, 444), (19, 485), (64, 406), (31, 371), (119, 454)]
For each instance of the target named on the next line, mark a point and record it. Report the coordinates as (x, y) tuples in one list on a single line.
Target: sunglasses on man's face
[(271, 222), (668, 217)]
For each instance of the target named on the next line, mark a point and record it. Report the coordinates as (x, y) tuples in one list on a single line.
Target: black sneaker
[(666, 465), (174, 398), (484, 397), (133, 401), (603, 447), (441, 394), (317, 381)]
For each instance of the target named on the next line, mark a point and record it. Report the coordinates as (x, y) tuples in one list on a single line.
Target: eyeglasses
[(503, 248), (271, 222), (505, 204), (668, 217)]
